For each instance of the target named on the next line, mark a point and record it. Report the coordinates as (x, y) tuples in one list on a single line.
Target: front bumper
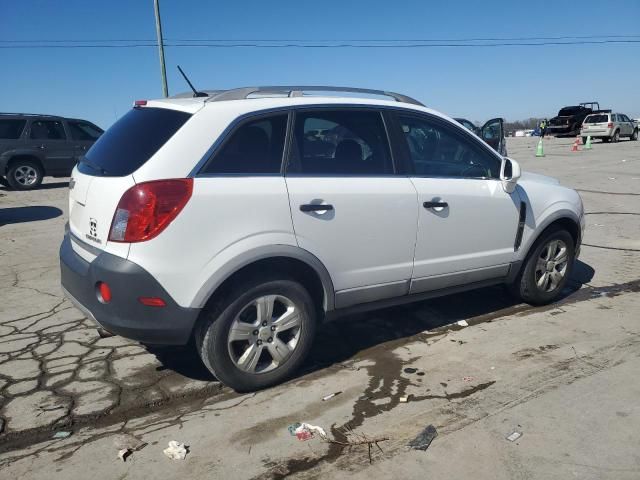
[(124, 315)]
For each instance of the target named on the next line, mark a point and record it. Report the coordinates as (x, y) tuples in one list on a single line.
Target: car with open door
[(491, 132), (288, 207)]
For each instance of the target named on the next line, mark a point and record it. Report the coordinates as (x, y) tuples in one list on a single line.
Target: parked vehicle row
[(242, 220), (35, 146)]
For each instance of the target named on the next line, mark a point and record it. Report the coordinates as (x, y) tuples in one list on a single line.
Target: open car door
[(492, 132)]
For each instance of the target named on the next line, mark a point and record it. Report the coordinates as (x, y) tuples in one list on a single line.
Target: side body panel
[(225, 217)]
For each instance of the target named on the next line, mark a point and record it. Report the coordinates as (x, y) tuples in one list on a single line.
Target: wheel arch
[(17, 156), (293, 261), (566, 219)]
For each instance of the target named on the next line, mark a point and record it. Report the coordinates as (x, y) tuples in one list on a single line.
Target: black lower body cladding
[(124, 315)]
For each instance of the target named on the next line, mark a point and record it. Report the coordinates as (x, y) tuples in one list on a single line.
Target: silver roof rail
[(297, 91)]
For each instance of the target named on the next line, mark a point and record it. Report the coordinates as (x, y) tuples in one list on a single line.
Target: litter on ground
[(462, 323), (514, 436), (306, 431), (330, 396), (424, 438), (175, 450), (127, 444), (61, 434)]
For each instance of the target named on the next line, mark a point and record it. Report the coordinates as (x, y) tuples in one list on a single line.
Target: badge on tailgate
[(93, 231)]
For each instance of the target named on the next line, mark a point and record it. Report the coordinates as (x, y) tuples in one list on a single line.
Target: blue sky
[(476, 83)]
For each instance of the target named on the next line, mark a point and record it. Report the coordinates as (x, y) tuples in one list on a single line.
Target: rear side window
[(131, 141), (47, 130), (84, 131), (254, 148), (340, 143), (597, 119), (11, 129)]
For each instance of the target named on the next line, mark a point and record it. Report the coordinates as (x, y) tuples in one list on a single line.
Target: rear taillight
[(610, 125), (146, 209)]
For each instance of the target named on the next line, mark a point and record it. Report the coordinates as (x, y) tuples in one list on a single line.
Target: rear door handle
[(315, 207), (435, 205)]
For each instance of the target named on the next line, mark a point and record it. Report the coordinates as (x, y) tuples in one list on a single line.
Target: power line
[(353, 40), (324, 45)]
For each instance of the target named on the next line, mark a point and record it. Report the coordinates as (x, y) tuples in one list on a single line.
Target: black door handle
[(315, 207), (435, 204)]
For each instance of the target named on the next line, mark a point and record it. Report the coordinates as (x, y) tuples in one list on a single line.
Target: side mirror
[(509, 174)]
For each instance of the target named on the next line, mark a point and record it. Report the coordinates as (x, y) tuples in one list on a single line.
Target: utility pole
[(163, 70)]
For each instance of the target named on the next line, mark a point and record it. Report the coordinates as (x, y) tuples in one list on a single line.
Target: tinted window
[(84, 131), (597, 119), (11, 129), (340, 143), (131, 141), (437, 151), (47, 130), (568, 111), (253, 148)]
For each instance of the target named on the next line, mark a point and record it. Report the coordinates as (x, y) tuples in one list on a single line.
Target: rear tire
[(3, 181), (547, 268), (244, 360), (24, 174), (584, 140), (616, 137), (634, 135)]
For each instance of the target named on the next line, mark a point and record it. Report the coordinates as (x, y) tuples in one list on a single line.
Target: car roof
[(279, 100)]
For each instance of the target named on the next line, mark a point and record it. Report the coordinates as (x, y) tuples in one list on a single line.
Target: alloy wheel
[(551, 266), (264, 334), (26, 175)]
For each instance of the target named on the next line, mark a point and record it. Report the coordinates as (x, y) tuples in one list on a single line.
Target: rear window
[(596, 119), (131, 141), (568, 111), (11, 129)]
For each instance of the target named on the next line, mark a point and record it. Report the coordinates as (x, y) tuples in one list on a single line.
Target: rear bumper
[(124, 315), (559, 129)]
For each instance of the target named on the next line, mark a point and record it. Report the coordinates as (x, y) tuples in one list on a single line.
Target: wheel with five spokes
[(258, 336), (547, 267)]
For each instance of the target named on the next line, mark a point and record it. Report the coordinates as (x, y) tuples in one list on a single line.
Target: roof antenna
[(196, 93)]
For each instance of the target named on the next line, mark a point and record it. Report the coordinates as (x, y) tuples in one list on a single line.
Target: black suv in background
[(35, 146)]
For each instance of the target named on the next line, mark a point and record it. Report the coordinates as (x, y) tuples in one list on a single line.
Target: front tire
[(259, 335), (547, 268), (24, 175)]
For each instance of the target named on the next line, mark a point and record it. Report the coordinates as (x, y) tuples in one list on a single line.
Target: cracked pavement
[(563, 375), (54, 368)]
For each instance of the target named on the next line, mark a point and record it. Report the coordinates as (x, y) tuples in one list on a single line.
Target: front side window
[(11, 129), (342, 142), (47, 130), (254, 148), (438, 151), (84, 131)]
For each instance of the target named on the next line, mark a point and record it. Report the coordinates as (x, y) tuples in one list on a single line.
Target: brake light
[(610, 125), (139, 103), (146, 209)]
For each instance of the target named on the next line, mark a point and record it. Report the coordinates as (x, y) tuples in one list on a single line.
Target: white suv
[(244, 219), (609, 127)]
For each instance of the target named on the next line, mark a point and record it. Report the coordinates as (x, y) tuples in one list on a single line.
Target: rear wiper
[(95, 167)]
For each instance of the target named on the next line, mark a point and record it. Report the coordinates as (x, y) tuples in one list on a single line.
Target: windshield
[(131, 141), (597, 119)]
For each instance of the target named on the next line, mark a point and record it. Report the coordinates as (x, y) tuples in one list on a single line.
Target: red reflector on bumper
[(152, 301), (104, 292)]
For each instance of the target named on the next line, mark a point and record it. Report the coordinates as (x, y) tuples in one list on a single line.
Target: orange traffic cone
[(579, 138), (574, 147)]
